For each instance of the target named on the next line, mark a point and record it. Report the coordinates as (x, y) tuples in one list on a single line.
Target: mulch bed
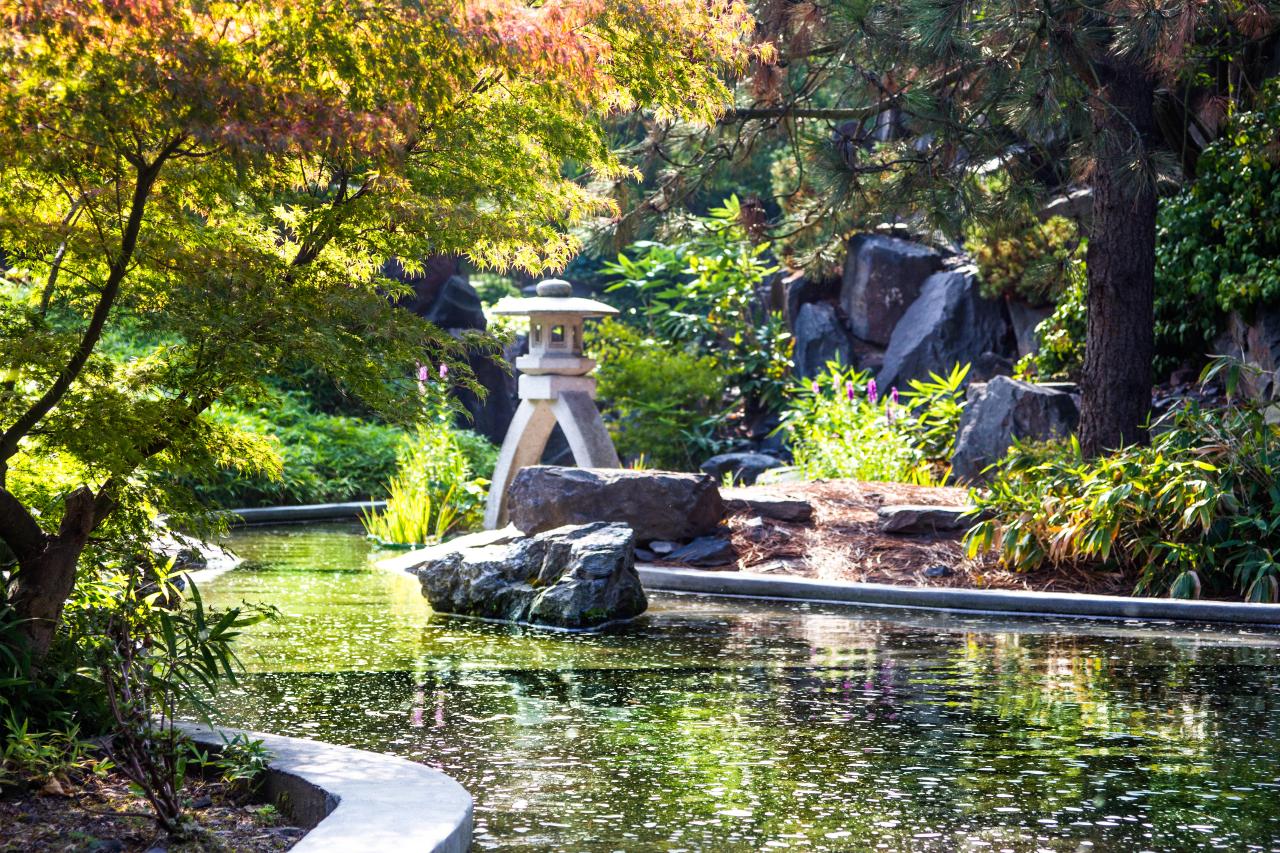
[(843, 542), (101, 815)]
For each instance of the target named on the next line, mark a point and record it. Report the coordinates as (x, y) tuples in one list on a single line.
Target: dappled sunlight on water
[(717, 725)]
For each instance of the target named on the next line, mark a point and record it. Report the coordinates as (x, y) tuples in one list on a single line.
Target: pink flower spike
[(893, 394), (815, 388), (850, 391), (872, 394), (444, 370), (423, 373)]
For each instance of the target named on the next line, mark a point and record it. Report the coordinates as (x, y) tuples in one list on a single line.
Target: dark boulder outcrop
[(426, 283), (745, 467), (571, 577), (819, 337), (1257, 341), (950, 323), (882, 277), (1025, 319), (655, 504), (1004, 409)]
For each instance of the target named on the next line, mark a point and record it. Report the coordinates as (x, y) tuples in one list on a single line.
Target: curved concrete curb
[(943, 598), (354, 801), (302, 512)]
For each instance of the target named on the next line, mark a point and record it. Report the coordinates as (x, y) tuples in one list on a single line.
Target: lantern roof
[(554, 297)]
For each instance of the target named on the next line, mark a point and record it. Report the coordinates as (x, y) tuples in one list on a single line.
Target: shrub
[(1029, 259), (1062, 334), (840, 426), (1197, 509), (439, 488), (153, 646), (1218, 242), (700, 293), (325, 458), (662, 403)]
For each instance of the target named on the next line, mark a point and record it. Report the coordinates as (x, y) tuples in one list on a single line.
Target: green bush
[(1062, 334), (1197, 509), (439, 488), (1218, 242), (840, 426), (661, 402), (1031, 260), (699, 293), (325, 458)]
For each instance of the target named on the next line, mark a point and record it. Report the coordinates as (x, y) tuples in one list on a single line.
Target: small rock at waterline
[(705, 552), (662, 547), (937, 572)]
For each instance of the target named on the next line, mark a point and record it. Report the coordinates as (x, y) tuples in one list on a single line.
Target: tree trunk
[(47, 567), (1120, 341)]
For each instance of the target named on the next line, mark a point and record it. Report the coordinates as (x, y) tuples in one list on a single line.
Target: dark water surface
[(732, 725)]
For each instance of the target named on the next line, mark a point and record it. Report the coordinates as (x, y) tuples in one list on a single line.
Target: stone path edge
[(352, 801), (977, 601)]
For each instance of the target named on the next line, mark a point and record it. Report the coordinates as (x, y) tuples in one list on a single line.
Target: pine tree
[(905, 109)]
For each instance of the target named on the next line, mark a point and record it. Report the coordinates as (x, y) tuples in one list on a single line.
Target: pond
[(716, 724)]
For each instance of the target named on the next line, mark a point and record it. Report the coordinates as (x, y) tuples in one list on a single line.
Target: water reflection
[(710, 725)]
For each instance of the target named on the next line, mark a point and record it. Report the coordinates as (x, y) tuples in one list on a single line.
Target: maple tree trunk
[(1120, 341), (47, 563)]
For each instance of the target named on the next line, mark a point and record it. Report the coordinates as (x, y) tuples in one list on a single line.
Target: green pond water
[(716, 724)]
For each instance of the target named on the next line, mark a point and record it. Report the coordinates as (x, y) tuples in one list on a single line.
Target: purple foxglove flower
[(423, 373), (893, 394), (872, 394), (849, 391)]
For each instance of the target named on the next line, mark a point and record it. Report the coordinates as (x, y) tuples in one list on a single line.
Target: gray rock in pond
[(571, 577), (882, 277), (655, 504), (1004, 409), (746, 468), (705, 552), (910, 518), (819, 337), (188, 553), (951, 323)]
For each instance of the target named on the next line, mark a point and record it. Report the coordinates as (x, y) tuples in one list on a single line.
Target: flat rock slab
[(654, 504), (776, 507), (924, 519), (705, 552), (572, 577)]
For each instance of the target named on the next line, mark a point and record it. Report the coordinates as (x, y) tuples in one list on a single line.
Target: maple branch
[(146, 178)]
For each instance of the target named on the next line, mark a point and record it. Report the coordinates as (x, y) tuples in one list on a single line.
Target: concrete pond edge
[(976, 601), (352, 801), (293, 514)]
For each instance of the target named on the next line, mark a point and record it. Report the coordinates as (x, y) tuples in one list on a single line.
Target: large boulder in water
[(571, 577), (655, 504), (950, 323), (882, 277), (1004, 409)]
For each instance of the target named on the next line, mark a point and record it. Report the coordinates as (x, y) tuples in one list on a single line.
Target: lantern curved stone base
[(548, 400)]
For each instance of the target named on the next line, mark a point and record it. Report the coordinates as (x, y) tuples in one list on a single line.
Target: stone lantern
[(554, 388)]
